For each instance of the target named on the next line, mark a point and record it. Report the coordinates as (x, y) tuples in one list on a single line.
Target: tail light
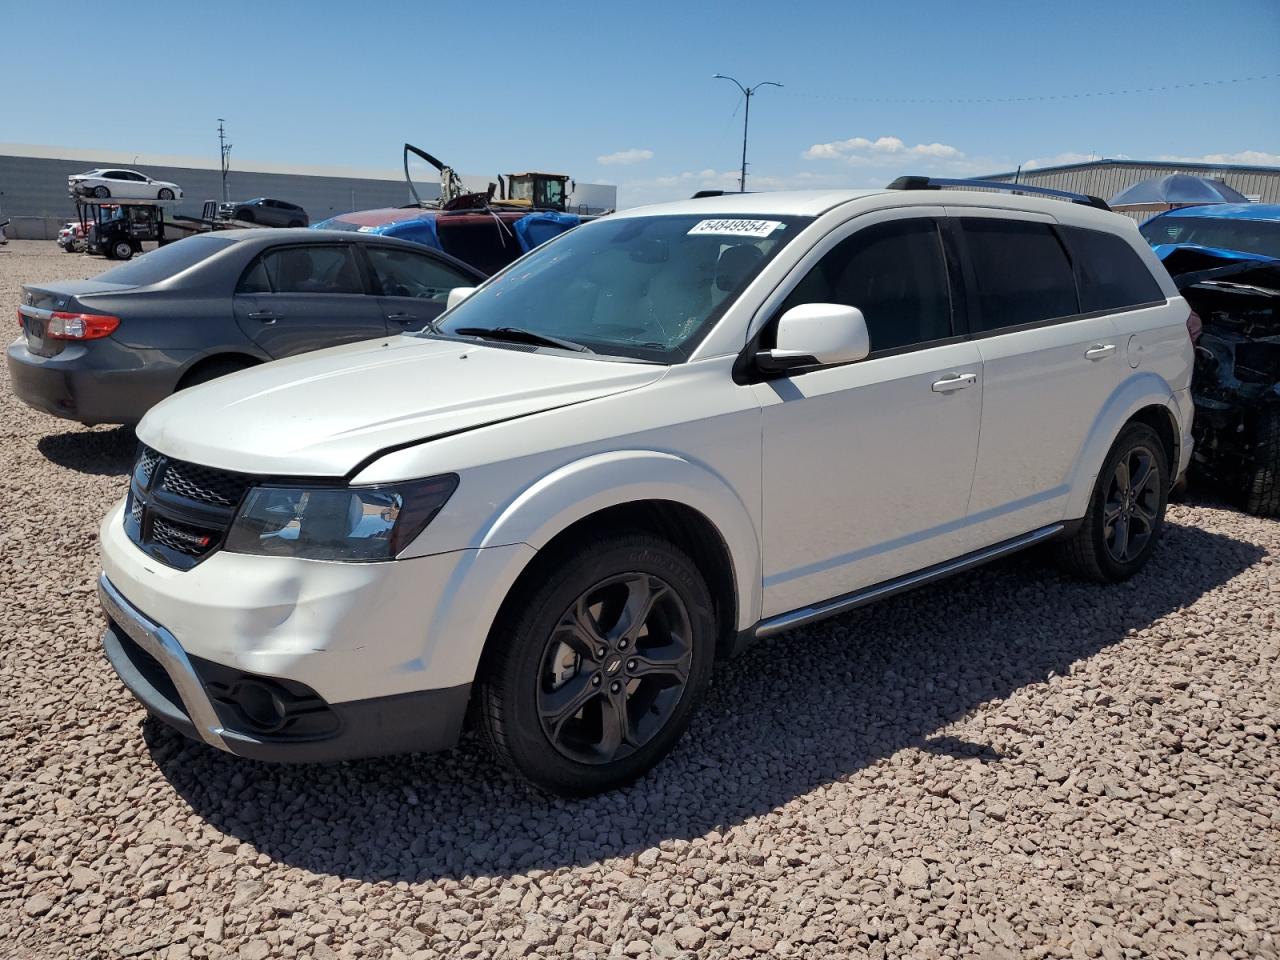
[(80, 326), (1194, 326)]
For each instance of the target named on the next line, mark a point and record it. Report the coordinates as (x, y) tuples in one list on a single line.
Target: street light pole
[(747, 92), (224, 150)]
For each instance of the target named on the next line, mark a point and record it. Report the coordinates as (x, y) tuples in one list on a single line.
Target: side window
[(1111, 276), (255, 280), (1021, 273), (313, 269), (402, 273), (895, 274)]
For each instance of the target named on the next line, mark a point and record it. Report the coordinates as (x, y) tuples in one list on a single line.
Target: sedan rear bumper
[(73, 386)]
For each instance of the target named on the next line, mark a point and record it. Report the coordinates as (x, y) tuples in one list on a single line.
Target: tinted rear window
[(167, 261), (1110, 274), (1021, 272)]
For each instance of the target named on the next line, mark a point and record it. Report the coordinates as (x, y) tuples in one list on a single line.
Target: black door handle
[(402, 317), (266, 316)]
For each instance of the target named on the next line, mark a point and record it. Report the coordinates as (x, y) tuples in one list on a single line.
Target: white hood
[(321, 414)]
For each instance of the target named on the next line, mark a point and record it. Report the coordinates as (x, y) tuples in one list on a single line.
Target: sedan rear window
[(165, 262)]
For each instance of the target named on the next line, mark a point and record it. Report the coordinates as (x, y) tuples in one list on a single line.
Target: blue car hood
[(1190, 263)]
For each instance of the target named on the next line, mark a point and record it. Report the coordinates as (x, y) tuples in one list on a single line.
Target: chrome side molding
[(859, 598)]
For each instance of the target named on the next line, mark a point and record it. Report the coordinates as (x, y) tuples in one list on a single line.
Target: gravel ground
[(1009, 764)]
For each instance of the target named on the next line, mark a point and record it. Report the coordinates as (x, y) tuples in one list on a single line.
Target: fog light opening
[(261, 706)]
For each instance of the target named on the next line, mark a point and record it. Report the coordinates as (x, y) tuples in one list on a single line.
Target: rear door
[(292, 299), (413, 287), (1048, 368)]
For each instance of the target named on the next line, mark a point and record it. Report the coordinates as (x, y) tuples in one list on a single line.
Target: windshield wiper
[(521, 335)]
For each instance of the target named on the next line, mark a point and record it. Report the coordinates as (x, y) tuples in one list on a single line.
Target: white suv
[(657, 436)]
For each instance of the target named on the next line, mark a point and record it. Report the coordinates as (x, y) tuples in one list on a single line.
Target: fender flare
[(571, 492), (1141, 391)]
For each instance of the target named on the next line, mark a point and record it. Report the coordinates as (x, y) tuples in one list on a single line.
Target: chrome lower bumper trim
[(162, 645)]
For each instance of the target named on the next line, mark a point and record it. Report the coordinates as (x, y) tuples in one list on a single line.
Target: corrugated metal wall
[(1105, 180), (37, 187)]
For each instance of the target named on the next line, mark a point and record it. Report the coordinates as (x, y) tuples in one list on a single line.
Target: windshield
[(165, 262), (643, 287), (1247, 236)]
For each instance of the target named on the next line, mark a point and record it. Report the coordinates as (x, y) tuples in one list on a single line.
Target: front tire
[(165, 194), (1126, 510), (246, 216), (101, 192), (121, 250), (597, 663)]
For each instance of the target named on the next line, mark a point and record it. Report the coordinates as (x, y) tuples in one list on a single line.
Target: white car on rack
[(121, 184), (646, 442)]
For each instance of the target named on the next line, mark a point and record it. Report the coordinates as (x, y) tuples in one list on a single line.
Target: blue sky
[(623, 93)]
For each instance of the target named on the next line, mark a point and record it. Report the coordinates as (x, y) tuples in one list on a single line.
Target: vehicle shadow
[(790, 715), (97, 452)]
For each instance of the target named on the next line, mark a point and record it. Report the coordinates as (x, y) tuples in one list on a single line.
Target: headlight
[(337, 523)]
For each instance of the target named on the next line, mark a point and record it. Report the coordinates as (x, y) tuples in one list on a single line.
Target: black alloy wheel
[(614, 668), (1131, 507), (596, 664)]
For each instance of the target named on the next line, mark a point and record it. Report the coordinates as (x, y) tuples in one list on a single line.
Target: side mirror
[(457, 295), (817, 334)]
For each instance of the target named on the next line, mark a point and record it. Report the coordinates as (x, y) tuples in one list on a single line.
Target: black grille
[(203, 484), (179, 512), (146, 466)]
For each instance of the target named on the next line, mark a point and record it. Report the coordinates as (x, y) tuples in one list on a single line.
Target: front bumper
[(174, 687), (384, 652)]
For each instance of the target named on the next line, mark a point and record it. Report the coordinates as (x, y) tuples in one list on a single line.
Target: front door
[(867, 466), (300, 298), (413, 287)]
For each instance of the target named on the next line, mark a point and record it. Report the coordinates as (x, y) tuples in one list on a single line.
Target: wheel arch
[(220, 358), (664, 493), (1144, 399)]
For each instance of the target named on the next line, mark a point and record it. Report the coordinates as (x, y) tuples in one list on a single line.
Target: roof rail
[(703, 194), (937, 183)]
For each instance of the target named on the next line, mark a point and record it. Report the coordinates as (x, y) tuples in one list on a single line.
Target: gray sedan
[(108, 349)]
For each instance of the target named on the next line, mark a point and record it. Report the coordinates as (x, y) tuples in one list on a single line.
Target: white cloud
[(1249, 157), (625, 157), (883, 151)]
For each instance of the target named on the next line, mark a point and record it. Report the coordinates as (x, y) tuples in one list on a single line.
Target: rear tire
[(1260, 494), (1126, 510), (295, 223), (578, 694)]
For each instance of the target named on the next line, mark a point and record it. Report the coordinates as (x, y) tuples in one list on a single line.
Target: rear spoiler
[(937, 183)]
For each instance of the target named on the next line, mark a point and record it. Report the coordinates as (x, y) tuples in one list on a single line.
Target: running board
[(851, 601)]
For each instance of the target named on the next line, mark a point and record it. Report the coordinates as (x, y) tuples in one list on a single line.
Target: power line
[(1040, 97)]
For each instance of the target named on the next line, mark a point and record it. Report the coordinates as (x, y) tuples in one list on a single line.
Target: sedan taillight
[(80, 326)]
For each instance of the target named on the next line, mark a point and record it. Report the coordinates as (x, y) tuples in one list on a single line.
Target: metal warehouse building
[(33, 185), (1106, 178)]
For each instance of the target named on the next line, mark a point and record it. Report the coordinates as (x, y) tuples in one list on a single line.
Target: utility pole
[(747, 92), (224, 150)]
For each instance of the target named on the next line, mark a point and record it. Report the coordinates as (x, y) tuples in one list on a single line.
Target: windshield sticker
[(736, 228)]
